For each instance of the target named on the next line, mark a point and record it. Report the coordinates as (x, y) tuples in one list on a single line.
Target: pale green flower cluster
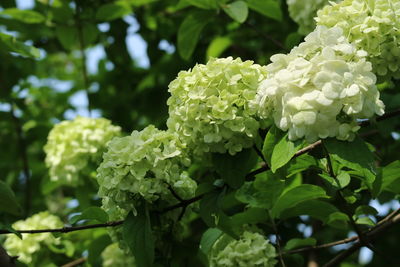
[(210, 106), (30, 244), (252, 249), (372, 26), (74, 147), (303, 13), (144, 165), (320, 88), (113, 256)]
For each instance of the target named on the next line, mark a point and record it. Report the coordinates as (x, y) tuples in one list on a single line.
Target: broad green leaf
[(139, 237), (268, 8), (274, 135), (300, 242), (138, 3), (295, 196), (96, 247), (300, 164), (237, 10), (218, 46), (204, 4), (338, 220), (250, 216), (391, 177), (343, 179), (365, 210), (366, 221), (111, 11), (354, 155), (189, 32), (263, 192), (317, 209), (26, 16), (67, 35), (283, 152), (11, 44), (91, 213), (212, 213), (208, 239), (8, 202), (233, 169), (89, 32)]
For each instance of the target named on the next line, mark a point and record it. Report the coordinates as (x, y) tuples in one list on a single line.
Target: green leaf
[(365, 210), (300, 242), (283, 152), (317, 209), (268, 8), (8, 202), (91, 213), (9, 43), (300, 164), (204, 4), (139, 237), (112, 11), (208, 239), (338, 220), (366, 221), (293, 39), (295, 196), (212, 213), (67, 35), (218, 46), (274, 135), (96, 247), (233, 169), (391, 177), (354, 155), (237, 10), (250, 216), (189, 32), (26, 16), (263, 192), (343, 179)]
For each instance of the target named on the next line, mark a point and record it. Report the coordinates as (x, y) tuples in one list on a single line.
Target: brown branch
[(75, 262), (182, 204), (371, 235), (278, 241), (346, 240)]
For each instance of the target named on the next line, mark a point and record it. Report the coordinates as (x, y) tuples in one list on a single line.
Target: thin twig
[(278, 241), (371, 235), (346, 240), (75, 262)]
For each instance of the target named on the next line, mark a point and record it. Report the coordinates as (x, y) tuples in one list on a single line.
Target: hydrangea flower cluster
[(113, 256), (372, 26), (74, 147), (144, 165), (303, 13), (252, 249), (320, 88), (30, 244), (209, 105)]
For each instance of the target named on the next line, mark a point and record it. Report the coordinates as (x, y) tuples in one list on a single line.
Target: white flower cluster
[(373, 26), (320, 88), (75, 147), (209, 105), (252, 249), (303, 13), (113, 256), (30, 244), (143, 166)]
